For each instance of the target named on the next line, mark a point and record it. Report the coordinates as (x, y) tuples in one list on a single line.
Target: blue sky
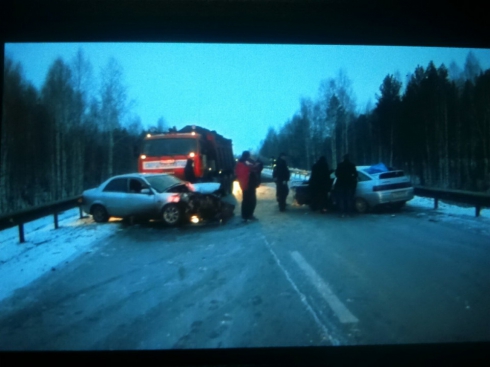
[(238, 90)]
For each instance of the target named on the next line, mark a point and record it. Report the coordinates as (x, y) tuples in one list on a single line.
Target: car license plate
[(398, 195)]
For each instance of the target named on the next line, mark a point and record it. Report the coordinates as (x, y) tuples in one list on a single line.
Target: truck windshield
[(169, 146)]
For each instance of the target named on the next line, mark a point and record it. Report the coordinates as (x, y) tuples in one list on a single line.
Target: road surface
[(296, 278)]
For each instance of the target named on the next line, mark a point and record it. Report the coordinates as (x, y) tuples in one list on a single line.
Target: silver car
[(381, 188), (152, 196)]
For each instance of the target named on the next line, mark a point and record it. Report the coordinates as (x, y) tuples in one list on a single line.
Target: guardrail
[(29, 215), (295, 173), (476, 199)]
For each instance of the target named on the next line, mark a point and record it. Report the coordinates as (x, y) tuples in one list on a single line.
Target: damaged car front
[(154, 196)]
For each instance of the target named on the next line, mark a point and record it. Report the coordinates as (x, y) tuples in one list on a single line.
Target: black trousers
[(282, 191), (346, 198), (319, 198), (248, 203)]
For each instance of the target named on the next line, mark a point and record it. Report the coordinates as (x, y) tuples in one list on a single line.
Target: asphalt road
[(289, 279)]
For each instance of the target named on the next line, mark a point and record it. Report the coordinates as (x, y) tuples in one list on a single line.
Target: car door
[(364, 185), (139, 203), (113, 196)]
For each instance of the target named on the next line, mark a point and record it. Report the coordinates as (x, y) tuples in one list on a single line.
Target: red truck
[(168, 152)]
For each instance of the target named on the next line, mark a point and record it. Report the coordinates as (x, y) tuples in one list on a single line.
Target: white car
[(152, 196), (374, 188)]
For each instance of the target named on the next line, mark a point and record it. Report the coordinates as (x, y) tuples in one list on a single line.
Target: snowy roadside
[(454, 214), (46, 248)]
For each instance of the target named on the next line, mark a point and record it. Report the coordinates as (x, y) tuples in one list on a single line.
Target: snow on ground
[(46, 248), (447, 209), (460, 215)]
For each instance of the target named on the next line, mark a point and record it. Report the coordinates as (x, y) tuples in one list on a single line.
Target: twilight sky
[(239, 90)]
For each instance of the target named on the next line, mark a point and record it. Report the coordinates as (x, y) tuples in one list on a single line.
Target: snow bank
[(457, 215), (447, 209), (46, 248)]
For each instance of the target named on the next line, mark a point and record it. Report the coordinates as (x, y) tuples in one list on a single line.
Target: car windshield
[(169, 146), (163, 182)]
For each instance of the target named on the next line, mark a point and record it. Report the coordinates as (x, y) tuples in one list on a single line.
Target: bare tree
[(113, 105), (57, 94), (81, 82)]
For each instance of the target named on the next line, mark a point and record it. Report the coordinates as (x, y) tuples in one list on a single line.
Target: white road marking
[(344, 315), (326, 333)]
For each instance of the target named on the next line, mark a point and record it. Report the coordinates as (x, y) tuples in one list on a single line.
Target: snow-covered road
[(290, 279)]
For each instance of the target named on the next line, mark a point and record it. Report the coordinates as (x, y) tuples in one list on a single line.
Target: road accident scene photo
[(190, 196)]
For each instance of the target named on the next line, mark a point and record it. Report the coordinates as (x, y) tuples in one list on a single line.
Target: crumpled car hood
[(206, 187)]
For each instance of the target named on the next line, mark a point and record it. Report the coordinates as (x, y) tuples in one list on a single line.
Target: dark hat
[(245, 154)]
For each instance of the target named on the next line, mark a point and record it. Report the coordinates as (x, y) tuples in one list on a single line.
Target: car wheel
[(171, 214), (361, 205), (100, 214)]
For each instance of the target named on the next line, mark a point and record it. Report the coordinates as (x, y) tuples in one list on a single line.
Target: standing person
[(247, 172), (189, 174), (320, 184), (346, 184), (281, 177)]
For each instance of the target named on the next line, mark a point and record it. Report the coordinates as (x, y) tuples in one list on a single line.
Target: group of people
[(321, 182), (248, 173)]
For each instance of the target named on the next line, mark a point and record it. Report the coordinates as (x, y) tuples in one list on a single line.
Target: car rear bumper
[(389, 196)]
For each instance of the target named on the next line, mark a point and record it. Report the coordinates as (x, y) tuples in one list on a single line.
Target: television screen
[(323, 194)]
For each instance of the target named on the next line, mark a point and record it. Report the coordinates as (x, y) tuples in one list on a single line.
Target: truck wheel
[(172, 215), (100, 214)]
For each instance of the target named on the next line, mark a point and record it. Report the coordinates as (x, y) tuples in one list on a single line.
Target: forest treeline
[(78, 129), (70, 135), (436, 127)]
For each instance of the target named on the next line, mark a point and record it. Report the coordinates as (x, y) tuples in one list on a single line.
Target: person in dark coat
[(320, 184), (346, 184), (247, 172), (189, 174), (281, 177)]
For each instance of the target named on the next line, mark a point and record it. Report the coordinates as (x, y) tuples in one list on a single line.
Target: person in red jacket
[(247, 172)]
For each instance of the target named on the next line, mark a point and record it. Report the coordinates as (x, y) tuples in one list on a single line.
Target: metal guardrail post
[(21, 233), (81, 212), (436, 203), (20, 218), (477, 210)]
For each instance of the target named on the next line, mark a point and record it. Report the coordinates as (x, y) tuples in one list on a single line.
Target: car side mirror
[(146, 191)]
